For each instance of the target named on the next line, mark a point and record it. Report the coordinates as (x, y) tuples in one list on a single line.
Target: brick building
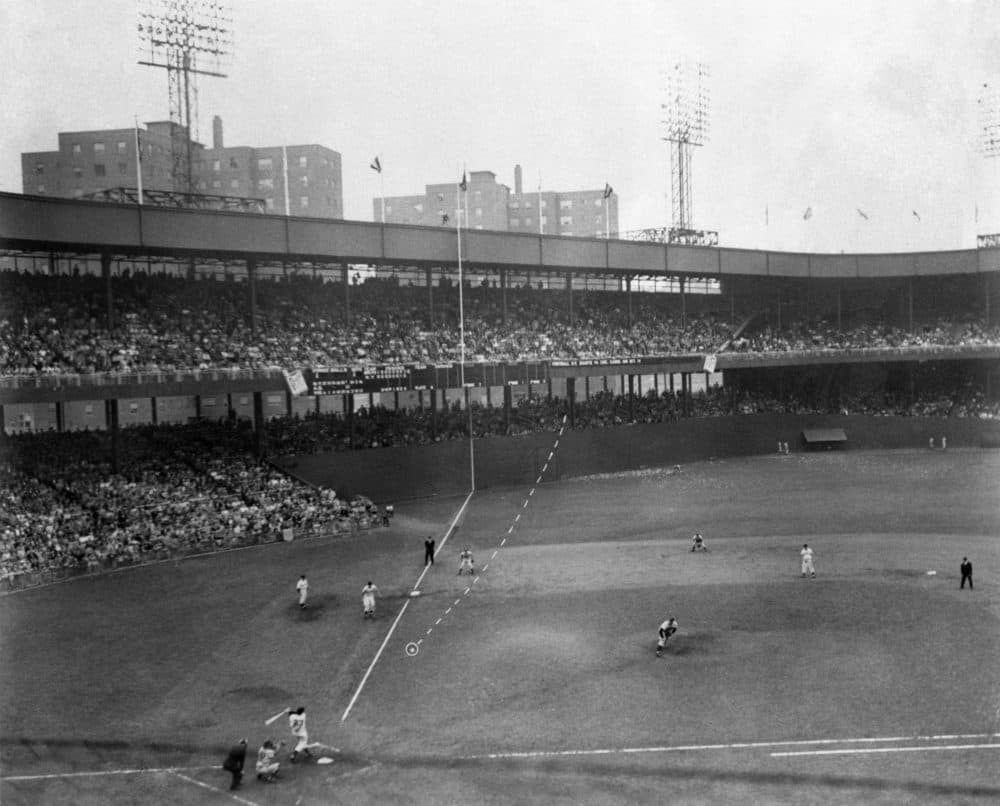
[(91, 161), (492, 206)]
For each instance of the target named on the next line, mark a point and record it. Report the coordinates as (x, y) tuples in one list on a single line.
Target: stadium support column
[(631, 398), (628, 301), (346, 280), (112, 418), (259, 446), (909, 304), (571, 400), (252, 285), (508, 404), (569, 294), (503, 296), (61, 416), (349, 417), (986, 299), (682, 284), (154, 414), (108, 296), (429, 275), (840, 291)]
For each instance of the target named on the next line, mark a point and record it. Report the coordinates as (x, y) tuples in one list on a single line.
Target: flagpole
[(607, 217), (461, 332), (381, 184), (288, 192), (541, 229), (138, 159)]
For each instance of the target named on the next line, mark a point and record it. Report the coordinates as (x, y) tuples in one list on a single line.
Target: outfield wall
[(397, 474)]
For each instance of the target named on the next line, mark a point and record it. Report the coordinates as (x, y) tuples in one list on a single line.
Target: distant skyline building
[(88, 162), (493, 206)]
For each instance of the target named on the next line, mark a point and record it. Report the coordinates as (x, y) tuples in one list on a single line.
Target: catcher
[(267, 764)]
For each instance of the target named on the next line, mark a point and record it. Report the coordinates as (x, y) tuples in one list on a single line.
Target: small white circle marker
[(412, 649)]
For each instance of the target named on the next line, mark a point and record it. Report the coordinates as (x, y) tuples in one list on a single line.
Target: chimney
[(517, 179), (217, 132)]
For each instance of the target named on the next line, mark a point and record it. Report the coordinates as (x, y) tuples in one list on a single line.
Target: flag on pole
[(862, 213), (916, 215), (463, 185), (376, 165), (807, 214), (608, 190), (765, 214)]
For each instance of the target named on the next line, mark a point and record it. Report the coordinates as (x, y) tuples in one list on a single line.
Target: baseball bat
[(278, 715)]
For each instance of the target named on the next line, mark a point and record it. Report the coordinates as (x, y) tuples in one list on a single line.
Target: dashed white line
[(457, 601), (532, 492), (437, 622), (503, 541), (511, 529), (494, 555), (518, 517), (550, 455), (429, 631), (475, 580), (544, 468), (538, 480), (446, 612), (468, 589), (485, 566)]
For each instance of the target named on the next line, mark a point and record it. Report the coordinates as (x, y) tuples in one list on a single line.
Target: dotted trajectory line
[(414, 646)]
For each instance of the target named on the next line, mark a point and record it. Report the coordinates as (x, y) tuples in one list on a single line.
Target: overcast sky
[(833, 106)]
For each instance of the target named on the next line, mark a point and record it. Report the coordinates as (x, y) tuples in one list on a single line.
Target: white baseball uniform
[(807, 561), (302, 586)]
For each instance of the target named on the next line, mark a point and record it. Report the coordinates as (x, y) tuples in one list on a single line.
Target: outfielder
[(297, 724), (302, 586), (368, 599), (466, 563), (698, 543), (807, 560), (667, 628)]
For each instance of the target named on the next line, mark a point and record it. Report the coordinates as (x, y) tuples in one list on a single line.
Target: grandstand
[(617, 397)]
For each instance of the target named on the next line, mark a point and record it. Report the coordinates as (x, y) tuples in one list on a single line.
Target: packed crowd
[(56, 324), (380, 427), (178, 490)]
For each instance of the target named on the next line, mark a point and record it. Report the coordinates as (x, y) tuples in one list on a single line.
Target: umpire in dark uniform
[(234, 762), (966, 569), (429, 551)]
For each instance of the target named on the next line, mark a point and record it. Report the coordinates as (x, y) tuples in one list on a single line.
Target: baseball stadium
[(200, 407)]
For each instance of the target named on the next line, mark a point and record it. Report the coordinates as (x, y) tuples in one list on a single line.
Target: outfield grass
[(547, 664)]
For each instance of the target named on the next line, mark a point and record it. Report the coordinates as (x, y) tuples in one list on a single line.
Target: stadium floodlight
[(989, 121), (187, 38), (685, 125)]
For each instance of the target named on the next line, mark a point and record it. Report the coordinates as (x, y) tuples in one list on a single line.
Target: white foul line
[(858, 750), (94, 773), (378, 654), (731, 746), (416, 585), (203, 785)]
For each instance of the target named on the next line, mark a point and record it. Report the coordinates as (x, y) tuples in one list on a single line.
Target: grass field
[(874, 683)]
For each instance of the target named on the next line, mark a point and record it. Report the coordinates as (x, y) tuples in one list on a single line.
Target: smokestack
[(517, 179), (217, 132)]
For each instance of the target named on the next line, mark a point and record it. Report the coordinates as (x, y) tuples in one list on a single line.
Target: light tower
[(188, 38), (989, 145), (685, 125)]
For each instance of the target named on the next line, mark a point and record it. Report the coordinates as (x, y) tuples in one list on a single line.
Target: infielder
[(302, 586), (807, 560), (466, 562), (667, 628), (297, 725), (368, 599)]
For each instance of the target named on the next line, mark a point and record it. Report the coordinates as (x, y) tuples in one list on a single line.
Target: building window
[(418, 207), (479, 195), (388, 209), (515, 222), (304, 180), (527, 222), (77, 193), (479, 212), (234, 184), (303, 201), (78, 172), (122, 145), (269, 203), (264, 164), (324, 162), (515, 205), (527, 205), (265, 184), (440, 197), (216, 184), (545, 220), (597, 202), (565, 204), (41, 188), (123, 168), (99, 169), (303, 162), (202, 185), (76, 148), (98, 148), (216, 165), (565, 221), (543, 204)]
